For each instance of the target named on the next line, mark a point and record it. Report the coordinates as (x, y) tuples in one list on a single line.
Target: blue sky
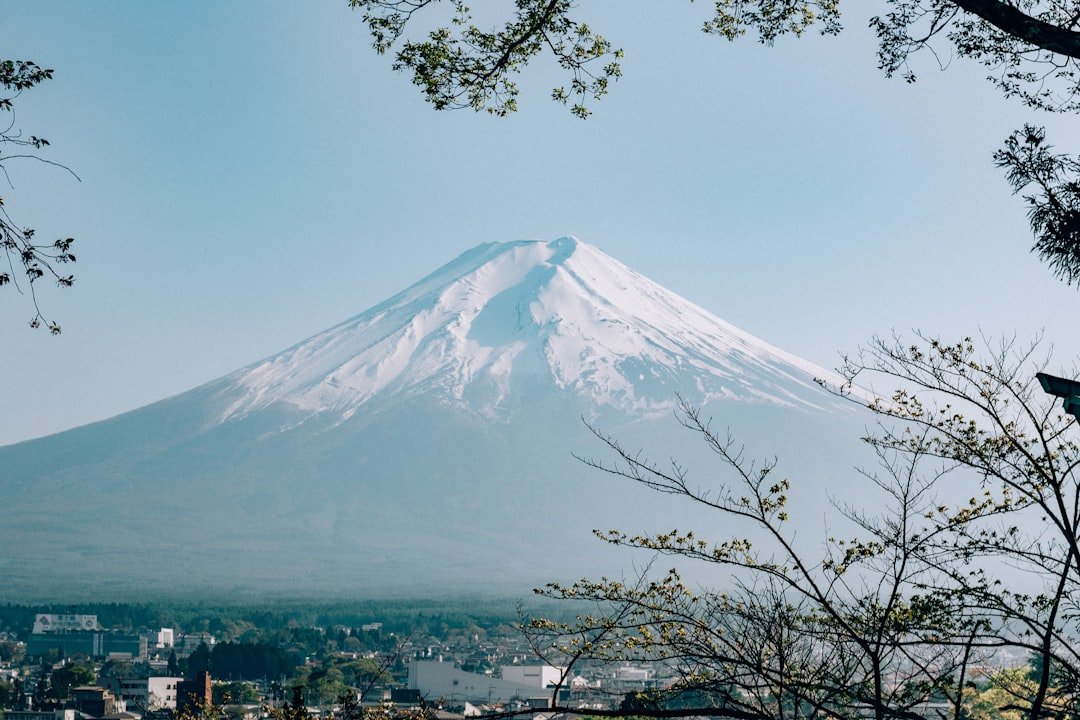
[(253, 173)]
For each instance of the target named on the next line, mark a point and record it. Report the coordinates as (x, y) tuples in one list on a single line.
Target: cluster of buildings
[(472, 676), (81, 634), (58, 637), (125, 699), (73, 634), (515, 687), (468, 675)]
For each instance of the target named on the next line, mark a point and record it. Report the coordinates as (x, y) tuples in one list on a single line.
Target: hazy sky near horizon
[(253, 173)]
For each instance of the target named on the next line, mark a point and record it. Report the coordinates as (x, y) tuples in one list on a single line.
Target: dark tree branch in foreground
[(1031, 49), (1054, 206), (462, 66), (27, 261), (1031, 46), (1036, 32)]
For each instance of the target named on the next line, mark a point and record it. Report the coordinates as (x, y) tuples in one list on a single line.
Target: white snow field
[(563, 310)]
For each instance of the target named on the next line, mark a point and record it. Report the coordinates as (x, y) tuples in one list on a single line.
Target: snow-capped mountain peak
[(501, 315)]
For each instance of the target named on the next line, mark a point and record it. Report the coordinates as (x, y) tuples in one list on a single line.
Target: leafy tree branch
[(1030, 48), (27, 261), (893, 618)]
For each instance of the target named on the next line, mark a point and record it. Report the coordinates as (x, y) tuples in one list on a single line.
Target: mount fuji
[(422, 445)]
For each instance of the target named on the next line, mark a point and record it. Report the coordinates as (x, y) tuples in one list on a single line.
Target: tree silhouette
[(27, 260), (1030, 48), (974, 550)]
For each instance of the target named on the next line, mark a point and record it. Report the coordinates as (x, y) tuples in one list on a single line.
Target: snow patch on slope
[(473, 331)]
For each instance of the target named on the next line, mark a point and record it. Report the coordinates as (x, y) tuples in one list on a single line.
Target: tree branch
[(1039, 33)]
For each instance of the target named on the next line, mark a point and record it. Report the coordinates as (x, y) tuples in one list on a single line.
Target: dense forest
[(254, 623)]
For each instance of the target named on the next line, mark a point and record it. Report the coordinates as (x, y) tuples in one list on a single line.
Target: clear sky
[(252, 173)]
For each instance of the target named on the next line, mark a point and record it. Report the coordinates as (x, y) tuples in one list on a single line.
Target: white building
[(165, 638), (148, 694), (537, 676), (442, 680), (630, 677)]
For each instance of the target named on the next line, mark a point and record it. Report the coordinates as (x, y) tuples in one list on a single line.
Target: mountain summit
[(423, 444), (502, 316)]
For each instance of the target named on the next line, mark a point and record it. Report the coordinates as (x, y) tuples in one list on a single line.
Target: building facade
[(92, 644), (435, 679), (148, 694)]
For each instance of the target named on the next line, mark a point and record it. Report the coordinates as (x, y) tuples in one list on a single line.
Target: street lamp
[(1062, 388)]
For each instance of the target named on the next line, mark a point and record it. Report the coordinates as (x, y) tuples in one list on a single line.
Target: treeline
[(263, 623), (244, 661), (121, 616)]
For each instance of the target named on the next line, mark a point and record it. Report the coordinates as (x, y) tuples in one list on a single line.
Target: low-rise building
[(65, 714), (149, 693), (435, 679), (190, 642), (97, 702), (91, 644), (539, 676)]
